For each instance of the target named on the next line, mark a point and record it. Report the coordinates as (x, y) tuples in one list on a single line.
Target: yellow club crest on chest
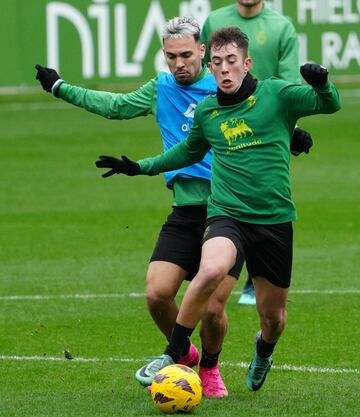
[(235, 129), (251, 101)]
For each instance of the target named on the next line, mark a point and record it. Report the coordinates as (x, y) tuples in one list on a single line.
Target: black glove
[(123, 165), (301, 142), (47, 77), (314, 74)]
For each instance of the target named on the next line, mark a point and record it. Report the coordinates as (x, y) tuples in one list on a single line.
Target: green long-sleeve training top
[(251, 149)]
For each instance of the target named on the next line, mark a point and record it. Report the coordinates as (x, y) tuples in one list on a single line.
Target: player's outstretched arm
[(179, 156), (140, 102), (323, 98), (319, 97)]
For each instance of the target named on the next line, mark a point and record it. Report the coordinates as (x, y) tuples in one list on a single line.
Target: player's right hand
[(47, 77), (314, 74), (121, 165)]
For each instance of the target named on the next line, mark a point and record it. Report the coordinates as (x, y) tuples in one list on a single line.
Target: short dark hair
[(231, 35)]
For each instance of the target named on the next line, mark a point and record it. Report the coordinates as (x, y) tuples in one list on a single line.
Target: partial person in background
[(273, 47), (273, 44), (171, 98)]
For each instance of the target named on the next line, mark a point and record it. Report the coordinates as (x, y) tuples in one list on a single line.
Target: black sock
[(209, 360), (264, 349), (179, 338), (186, 348)]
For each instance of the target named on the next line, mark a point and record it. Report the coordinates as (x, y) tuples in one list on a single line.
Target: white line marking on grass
[(58, 359), (285, 367), (56, 105), (141, 295), (305, 369), (326, 292), (69, 296), (350, 93), (323, 292)]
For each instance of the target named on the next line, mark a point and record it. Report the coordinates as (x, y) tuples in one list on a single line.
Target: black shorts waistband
[(191, 211)]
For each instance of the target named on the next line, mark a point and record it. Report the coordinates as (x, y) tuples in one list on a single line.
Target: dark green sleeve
[(306, 100), (140, 102), (185, 153)]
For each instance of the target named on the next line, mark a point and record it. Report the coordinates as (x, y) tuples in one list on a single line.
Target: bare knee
[(209, 277), (273, 320), (157, 296)]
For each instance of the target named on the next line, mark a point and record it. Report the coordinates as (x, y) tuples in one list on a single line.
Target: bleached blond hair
[(182, 27)]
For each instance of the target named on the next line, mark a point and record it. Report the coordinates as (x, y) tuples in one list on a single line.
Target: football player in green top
[(274, 50), (248, 124)]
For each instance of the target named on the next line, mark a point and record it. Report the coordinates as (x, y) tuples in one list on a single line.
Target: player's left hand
[(121, 165), (301, 142), (314, 74), (46, 76)]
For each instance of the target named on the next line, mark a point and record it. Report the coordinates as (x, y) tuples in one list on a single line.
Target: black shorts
[(180, 239), (267, 249)]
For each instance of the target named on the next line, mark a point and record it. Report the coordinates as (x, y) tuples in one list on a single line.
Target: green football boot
[(146, 374), (258, 370)]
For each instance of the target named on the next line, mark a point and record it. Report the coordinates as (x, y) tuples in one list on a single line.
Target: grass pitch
[(75, 248)]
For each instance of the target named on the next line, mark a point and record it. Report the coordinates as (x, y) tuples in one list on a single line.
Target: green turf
[(66, 231)]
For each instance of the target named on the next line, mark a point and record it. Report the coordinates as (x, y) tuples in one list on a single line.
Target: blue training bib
[(176, 104)]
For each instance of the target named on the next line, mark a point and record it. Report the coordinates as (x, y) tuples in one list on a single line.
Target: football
[(176, 388)]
